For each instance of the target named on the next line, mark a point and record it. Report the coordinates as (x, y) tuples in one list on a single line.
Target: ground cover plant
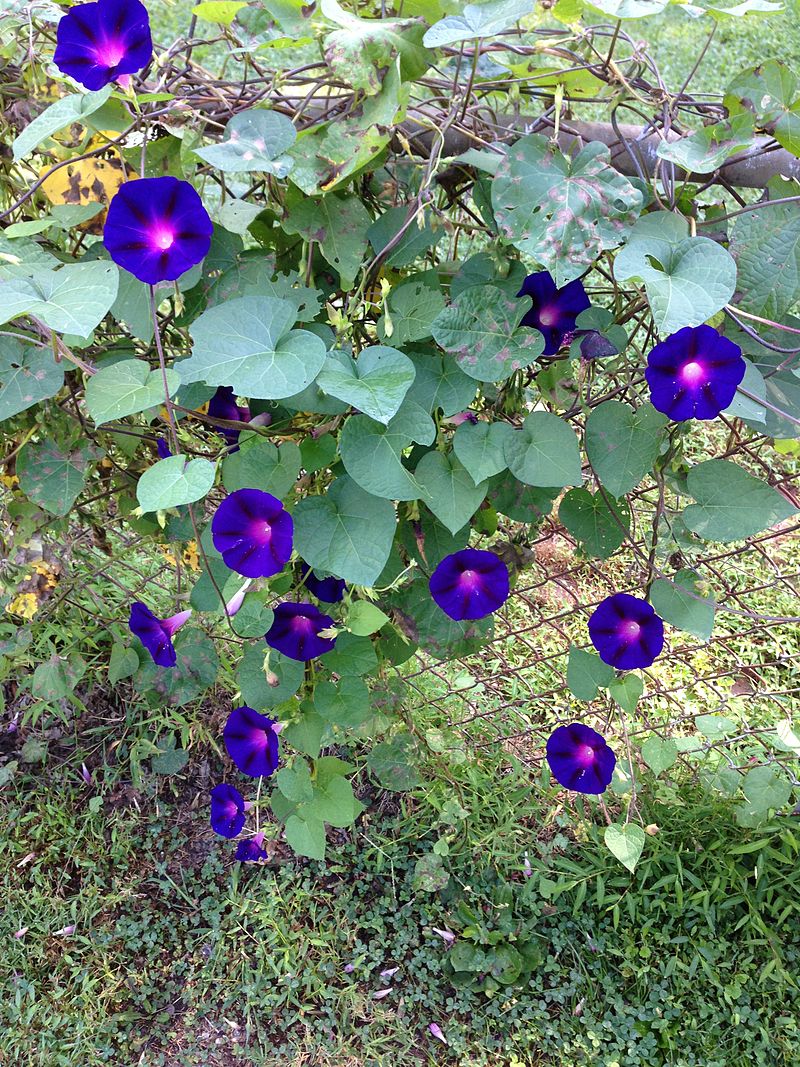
[(399, 632)]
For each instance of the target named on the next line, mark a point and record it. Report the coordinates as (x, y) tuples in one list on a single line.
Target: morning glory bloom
[(251, 850), (252, 531), (554, 311), (252, 742), (626, 632), (330, 590), (222, 405), (470, 584), (580, 759), (227, 810), (295, 631), (162, 448), (693, 374), (157, 228), (156, 634), (96, 43)]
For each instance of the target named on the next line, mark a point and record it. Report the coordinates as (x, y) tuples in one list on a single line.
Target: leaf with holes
[(255, 140), (770, 93), (707, 149), (360, 51)]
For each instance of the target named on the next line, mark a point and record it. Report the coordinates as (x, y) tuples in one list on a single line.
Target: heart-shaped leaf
[(174, 481), (125, 388), (371, 455), (480, 447), (625, 843), (27, 375), (730, 503), (622, 444), (448, 490), (544, 452), (375, 383), (254, 140)]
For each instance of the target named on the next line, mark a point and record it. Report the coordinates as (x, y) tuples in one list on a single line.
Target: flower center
[(110, 53), (548, 316), (692, 372), (630, 630), (469, 579), (585, 755), (302, 624), (163, 239)]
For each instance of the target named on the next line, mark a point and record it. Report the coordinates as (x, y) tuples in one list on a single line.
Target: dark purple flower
[(295, 631), (227, 810), (251, 741), (162, 448), (580, 759), (222, 405), (331, 590), (693, 374), (96, 43), (156, 634), (553, 311), (251, 850), (470, 584), (252, 530), (626, 632), (157, 228)]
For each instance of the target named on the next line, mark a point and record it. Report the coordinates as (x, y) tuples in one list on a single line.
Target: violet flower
[(330, 590), (162, 448), (580, 759), (227, 810), (470, 584), (626, 632), (296, 629), (98, 42), (554, 311), (156, 634), (253, 532), (252, 742), (693, 374), (157, 228), (251, 849), (222, 405)]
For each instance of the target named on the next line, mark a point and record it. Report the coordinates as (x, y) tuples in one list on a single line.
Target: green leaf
[(260, 464), (263, 357), (730, 503), (305, 734), (680, 603), (51, 478), (520, 502), (625, 843), (562, 210), (344, 704), (409, 312), (255, 140), (587, 673), (394, 763), (253, 618), (440, 384), (330, 532), (365, 618), (360, 52), (295, 782), (318, 453), (770, 93), (448, 490), (477, 20), (195, 671), (69, 109), (72, 299), (659, 753), (27, 375), (238, 216), (267, 678), (623, 444), (375, 383), (715, 726), (766, 247), (600, 524), (123, 663), (629, 9), (169, 760), (339, 226), (415, 242), (707, 149), (352, 655), (626, 690), (125, 388), (306, 836), (766, 788), (480, 447), (687, 279), (371, 454), (174, 481), (481, 329), (332, 802), (544, 452), (56, 678), (221, 11), (430, 876)]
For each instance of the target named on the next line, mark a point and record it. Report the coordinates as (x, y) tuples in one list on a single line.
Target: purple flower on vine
[(222, 405), (251, 850), (296, 631), (330, 590), (162, 448), (626, 632), (470, 584), (253, 533), (227, 810), (252, 742), (553, 311), (580, 759), (157, 228), (97, 43), (693, 374), (156, 634)]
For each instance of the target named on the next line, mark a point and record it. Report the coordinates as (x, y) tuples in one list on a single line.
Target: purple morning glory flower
[(626, 632), (162, 448), (157, 228), (295, 631), (580, 759), (553, 311), (693, 374), (222, 405), (251, 741), (470, 584), (227, 810), (252, 530), (331, 590), (156, 634), (96, 43), (251, 850)]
